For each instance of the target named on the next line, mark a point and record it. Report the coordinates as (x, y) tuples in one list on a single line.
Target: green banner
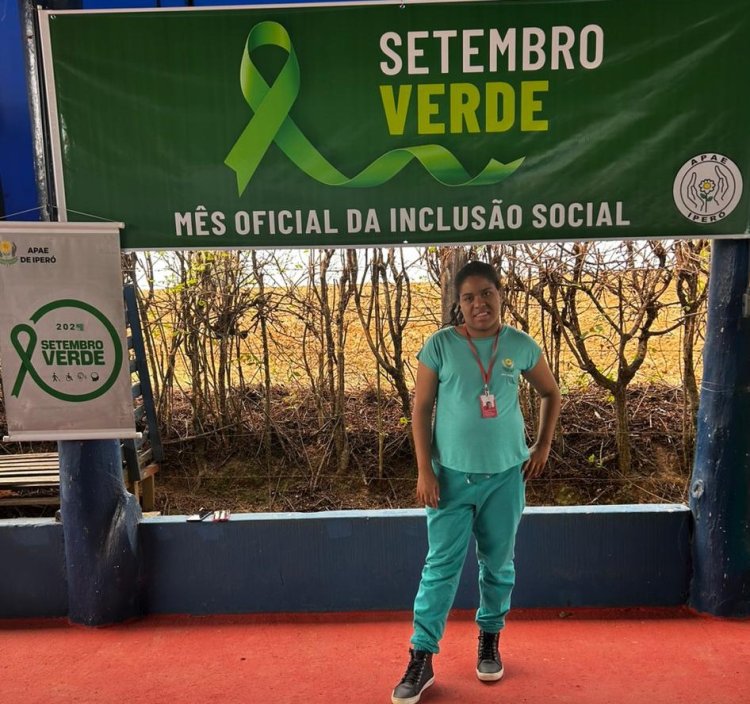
[(385, 124)]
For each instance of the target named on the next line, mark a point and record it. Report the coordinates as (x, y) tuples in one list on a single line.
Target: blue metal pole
[(720, 487), (100, 524)]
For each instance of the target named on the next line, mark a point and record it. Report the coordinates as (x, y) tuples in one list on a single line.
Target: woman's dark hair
[(475, 268), (472, 268)]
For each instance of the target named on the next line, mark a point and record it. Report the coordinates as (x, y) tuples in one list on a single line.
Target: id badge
[(488, 406)]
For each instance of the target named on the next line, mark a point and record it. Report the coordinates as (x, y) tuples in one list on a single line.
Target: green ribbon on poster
[(26, 353), (271, 123)]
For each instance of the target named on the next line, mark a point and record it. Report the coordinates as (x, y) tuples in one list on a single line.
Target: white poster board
[(63, 350)]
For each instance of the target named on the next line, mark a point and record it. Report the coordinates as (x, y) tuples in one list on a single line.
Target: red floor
[(579, 657)]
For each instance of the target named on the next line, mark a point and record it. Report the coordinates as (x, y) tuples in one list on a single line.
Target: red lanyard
[(486, 375)]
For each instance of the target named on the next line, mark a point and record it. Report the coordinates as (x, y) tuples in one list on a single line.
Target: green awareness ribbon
[(25, 353), (271, 123)]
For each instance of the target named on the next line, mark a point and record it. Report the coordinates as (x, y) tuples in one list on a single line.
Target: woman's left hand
[(538, 455)]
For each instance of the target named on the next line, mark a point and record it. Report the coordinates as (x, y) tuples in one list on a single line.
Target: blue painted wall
[(17, 183), (32, 569), (606, 556)]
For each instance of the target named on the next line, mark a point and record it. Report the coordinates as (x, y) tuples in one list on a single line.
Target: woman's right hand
[(428, 489)]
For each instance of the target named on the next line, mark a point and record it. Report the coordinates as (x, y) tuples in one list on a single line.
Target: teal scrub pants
[(490, 507)]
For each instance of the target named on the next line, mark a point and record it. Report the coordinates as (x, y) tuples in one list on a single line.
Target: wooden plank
[(30, 501), (41, 480), (20, 476), (21, 467), (29, 459), (26, 459), (28, 456), (149, 471), (41, 466), (25, 472), (148, 493)]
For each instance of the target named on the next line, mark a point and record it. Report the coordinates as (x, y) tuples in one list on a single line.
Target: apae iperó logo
[(707, 188), (8, 252)]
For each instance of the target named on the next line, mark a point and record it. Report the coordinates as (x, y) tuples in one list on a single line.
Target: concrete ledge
[(634, 555), (32, 565), (613, 556)]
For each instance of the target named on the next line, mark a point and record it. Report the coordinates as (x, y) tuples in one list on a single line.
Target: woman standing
[(472, 464)]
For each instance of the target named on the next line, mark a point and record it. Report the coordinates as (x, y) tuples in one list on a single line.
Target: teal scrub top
[(462, 439)]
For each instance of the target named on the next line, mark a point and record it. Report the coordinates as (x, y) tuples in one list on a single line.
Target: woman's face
[(480, 304)]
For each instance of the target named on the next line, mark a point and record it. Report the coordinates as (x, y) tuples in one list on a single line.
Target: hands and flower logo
[(508, 363), (8, 252), (707, 188)]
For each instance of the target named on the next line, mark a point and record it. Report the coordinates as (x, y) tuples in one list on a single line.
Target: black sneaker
[(489, 664), (418, 677)]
